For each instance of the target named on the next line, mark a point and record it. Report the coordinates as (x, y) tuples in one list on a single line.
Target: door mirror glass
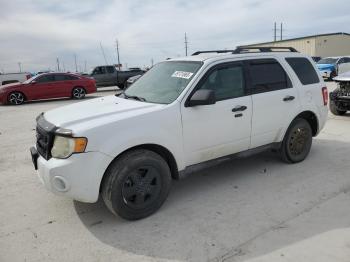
[(202, 97)]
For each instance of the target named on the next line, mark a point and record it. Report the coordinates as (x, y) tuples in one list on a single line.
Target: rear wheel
[(136, 184), (297, 142), (15, 98), (78, 93), (335, 110)]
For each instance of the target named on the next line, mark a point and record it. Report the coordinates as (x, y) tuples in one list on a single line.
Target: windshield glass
[(164, 82), (30, 79), (327, 61)]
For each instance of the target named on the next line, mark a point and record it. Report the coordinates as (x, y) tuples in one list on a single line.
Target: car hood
[(343, 77), (9, 86), (325, 66), (109, 108)]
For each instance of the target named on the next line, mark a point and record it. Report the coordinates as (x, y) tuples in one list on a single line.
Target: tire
[(78, 93), (333, 108), (16, 98), (136, 184), (297, 141)]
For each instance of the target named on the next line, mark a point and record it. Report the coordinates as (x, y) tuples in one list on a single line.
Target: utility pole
[(186, 43), (58, 64), (281, 31), (275, 32), (103, 53), (20, 67), (117, 45), (75, 61)]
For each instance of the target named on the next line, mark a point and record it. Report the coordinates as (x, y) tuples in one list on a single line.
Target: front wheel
[(297, 141), (136, 184), (335, 111), (78, 93), (15, 98)]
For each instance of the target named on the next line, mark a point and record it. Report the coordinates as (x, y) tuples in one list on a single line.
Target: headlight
[(64, 147)]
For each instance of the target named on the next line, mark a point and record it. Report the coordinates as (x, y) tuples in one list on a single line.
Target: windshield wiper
[(138, 98)]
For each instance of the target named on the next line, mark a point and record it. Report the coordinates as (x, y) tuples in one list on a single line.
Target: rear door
[(213, 131), (275, 100)]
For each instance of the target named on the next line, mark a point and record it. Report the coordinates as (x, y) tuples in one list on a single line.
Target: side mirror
[(202, 97)]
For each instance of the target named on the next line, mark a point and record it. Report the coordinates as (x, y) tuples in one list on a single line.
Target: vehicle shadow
[(242, 208)]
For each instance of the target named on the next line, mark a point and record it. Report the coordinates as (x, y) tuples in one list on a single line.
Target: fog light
[(60, 184)]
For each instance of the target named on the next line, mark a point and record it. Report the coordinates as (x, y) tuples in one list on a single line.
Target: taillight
[(27, 76), (325, 95)]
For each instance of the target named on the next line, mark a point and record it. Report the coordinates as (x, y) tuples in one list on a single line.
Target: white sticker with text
[(182, 74)]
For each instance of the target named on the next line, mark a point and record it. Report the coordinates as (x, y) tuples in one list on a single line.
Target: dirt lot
[(232, 212)]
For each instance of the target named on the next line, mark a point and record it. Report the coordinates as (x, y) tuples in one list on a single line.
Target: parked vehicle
[(182, 115), (132, 80), (13, 78), (340, 97), (110, 76), (46, 86), (332, 66), (316, 58)]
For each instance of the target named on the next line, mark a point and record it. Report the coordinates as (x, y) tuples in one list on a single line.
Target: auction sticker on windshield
[(182, 74)]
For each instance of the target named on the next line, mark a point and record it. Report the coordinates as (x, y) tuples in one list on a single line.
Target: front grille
[(44, 137)]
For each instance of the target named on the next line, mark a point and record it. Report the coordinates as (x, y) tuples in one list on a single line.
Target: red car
[(46, 86)]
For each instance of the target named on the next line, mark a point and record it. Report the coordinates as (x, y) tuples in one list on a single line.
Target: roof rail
[(213, 51), (246, 49)]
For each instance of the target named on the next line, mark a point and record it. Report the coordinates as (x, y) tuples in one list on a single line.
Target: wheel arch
[(312, 119), (160, 150)]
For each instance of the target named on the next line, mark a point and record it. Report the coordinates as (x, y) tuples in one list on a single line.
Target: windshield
[(164, 82), (30, 79), (327, 61)]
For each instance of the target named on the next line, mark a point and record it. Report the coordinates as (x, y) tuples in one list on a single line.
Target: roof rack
[(247, 49), (213, 51)]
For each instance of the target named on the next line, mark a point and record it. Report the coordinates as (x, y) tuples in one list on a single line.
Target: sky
[(36, 33)]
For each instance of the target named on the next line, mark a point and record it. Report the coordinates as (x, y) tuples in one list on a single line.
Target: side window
[(267, 75), (341, 61), (99, 70), (60, 78), (304, 70), (45, 79), (69, 77), (110, 69), (346, 59), (227, 82)]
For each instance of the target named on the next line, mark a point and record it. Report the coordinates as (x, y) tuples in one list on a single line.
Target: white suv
[(181, 115)]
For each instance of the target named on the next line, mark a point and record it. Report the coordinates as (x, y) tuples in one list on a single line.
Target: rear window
[(304, 70), (267, 75)]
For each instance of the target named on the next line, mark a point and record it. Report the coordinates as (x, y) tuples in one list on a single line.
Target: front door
[(213, 131)]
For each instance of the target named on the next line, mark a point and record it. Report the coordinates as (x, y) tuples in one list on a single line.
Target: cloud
[(37, 32)]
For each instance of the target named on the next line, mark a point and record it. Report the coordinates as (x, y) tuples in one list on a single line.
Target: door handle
[(239, 108), (288, 98)]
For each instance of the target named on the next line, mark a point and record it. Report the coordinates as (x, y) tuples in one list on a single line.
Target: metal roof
[(299, 38)]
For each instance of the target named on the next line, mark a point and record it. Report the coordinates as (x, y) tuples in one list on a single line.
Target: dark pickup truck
[(109, 75)]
